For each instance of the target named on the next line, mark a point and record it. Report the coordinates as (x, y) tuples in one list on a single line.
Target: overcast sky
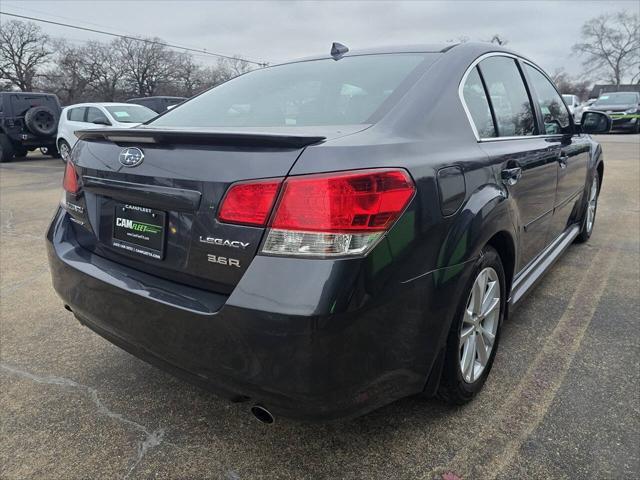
[(278, 31)]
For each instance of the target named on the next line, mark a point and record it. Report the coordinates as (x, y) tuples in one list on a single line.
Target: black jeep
[(27, 121)]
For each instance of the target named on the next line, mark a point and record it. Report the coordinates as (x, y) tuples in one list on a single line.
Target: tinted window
[(94, 114), (318, 92), (131, 113), (76, 114), (554, 112), (476, 100), (509, 98)]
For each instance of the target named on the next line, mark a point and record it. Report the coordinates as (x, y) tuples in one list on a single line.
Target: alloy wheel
[(593, 203), (480, 325), (65, 151)]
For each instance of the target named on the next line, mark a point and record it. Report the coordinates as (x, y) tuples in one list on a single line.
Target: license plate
[(139, 230)]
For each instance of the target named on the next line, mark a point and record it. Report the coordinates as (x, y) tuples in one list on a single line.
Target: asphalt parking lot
[(562, 400)]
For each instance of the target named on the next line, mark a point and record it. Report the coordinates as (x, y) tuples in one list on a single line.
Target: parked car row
[(622, 107), (36, 120)]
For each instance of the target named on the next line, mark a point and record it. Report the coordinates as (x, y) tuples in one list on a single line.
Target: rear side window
[(316, 92), (76, 114), (509, 98), (554, 112), (478, 106)]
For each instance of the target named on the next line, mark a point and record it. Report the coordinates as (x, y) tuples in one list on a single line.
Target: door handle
[(510, 176), (562, 160)]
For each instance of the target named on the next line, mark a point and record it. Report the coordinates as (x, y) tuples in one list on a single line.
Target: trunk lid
[(181, 182)]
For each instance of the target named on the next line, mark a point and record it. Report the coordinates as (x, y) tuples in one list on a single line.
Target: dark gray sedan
[(323, 237)]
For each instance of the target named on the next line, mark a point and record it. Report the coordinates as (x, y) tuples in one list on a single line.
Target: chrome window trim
[(468, 113)]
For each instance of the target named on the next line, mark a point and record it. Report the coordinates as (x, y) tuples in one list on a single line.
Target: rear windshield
[(131, 113), (617, 99), (318, 92)]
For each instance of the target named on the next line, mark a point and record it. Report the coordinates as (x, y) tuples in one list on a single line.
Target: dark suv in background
[(27, 121)]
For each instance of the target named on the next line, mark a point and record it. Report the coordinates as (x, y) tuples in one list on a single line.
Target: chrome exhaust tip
[(262, 414)]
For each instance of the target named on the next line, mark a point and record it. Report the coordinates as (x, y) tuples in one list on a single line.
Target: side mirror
[(595, 122), (101, 121)]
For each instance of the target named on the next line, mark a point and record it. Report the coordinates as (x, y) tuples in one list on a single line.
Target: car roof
[(157, 97), (417, 48), (469, 49), (99, 104)]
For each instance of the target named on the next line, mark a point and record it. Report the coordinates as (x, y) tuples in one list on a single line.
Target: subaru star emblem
[(131, 157)]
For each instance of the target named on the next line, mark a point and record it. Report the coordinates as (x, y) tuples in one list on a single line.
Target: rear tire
[(591, 208), (64, 150), (475, 331), (6, 149)]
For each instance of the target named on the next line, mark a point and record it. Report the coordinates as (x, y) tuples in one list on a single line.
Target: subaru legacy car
[(323, 237), (622, 107)]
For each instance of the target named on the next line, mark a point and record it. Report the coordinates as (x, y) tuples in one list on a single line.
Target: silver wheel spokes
[(593, 202), (479, 325), (64, 151)]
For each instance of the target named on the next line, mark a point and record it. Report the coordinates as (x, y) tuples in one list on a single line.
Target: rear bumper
[(301, 358)]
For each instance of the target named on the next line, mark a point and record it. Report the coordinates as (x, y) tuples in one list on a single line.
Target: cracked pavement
[(562, 400)]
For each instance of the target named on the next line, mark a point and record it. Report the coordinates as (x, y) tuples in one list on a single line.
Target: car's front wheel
[(474, 334)]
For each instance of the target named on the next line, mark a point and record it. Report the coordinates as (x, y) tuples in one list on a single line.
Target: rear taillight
[(70, 181), (249, 203), (335, 214)]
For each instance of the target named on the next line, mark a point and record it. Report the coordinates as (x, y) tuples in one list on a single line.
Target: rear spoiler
[(199, 137)]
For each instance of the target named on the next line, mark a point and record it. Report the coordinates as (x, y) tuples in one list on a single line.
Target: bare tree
[(68, 76), (24, 50), (567, 84), (235, 66), (147, 66), (611, 43), (105, 80), (188, 77)]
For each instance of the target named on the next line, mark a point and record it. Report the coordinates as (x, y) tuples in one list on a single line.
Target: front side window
[(509, 98), (554, 111), (476, 100), (76, 114), (94, 114), (309, 93)]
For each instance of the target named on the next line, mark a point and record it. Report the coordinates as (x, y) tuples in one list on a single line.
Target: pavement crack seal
[(151, 439), (495, 448)]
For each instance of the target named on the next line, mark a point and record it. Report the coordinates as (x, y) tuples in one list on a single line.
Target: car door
[(75, 121), (571, 150), (526, 161)]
